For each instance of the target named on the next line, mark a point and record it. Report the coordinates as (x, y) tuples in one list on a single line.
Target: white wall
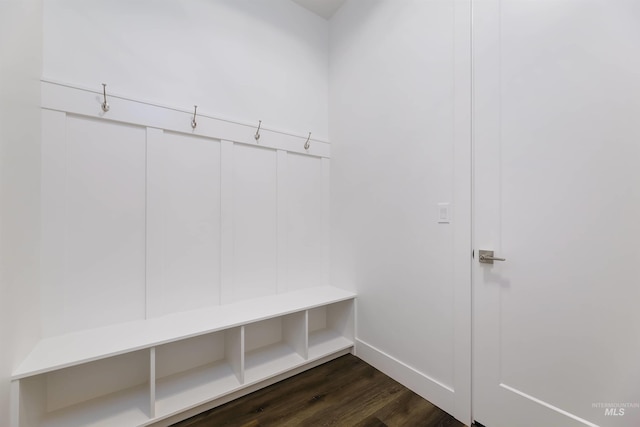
[(240, 59), (20, 68), (398, 108)]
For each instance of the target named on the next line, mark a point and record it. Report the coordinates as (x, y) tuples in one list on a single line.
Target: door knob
[(486, 257)]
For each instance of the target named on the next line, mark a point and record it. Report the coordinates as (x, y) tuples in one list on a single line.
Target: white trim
[(547, 405), (462, 214), (180, 109), (85, 102), (436, 392)]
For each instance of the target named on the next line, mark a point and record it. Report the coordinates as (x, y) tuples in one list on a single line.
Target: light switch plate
[(444, 213)]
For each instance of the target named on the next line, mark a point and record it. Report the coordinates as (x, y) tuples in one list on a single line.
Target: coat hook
[(193, 121), (306, 144), (257, 135), (105, 105)]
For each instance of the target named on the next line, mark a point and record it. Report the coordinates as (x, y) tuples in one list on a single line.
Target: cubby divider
[(152, 382), (234, 350), (294, 331), (140, 373)]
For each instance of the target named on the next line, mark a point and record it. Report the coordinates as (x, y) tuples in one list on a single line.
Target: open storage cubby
[(151, 371), (196, 370), (330, 328), (106, 392), (273, 346)]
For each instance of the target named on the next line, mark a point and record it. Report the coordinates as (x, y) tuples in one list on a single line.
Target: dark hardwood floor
[(343, 392)]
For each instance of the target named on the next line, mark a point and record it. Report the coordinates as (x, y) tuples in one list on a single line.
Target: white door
[(557, 193)]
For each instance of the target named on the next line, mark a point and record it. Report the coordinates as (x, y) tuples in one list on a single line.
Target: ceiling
[(324, 8)]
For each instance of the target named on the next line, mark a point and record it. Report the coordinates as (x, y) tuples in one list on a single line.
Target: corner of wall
[(20, 136)]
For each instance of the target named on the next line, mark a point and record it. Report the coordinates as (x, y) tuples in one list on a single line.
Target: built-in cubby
[(272, 346), (196, 370), (331, 328), (113, 391), (140, 373)]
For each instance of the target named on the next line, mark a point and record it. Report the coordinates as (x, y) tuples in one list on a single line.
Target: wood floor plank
[(343, 392), (409, 409)]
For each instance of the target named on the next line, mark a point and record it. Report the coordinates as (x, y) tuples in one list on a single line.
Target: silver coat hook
[(306, 144), (193, 121), (257, 135), (105, 104)]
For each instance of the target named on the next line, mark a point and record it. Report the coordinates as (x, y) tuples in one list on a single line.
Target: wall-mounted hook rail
[(257, 135), (306, 144), (194, 124), (105, 104)]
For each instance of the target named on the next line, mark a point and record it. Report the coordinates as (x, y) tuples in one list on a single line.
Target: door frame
[(463, 210)]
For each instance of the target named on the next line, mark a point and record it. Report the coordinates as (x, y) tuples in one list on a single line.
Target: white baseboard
[(435, 392)]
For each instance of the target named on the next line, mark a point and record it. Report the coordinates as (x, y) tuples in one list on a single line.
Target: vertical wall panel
[(283, 208), (326, 221), (254, 223), (305, 222), (226, 222), (155, 222), (53, 188), (102, 189), (183, 222)]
